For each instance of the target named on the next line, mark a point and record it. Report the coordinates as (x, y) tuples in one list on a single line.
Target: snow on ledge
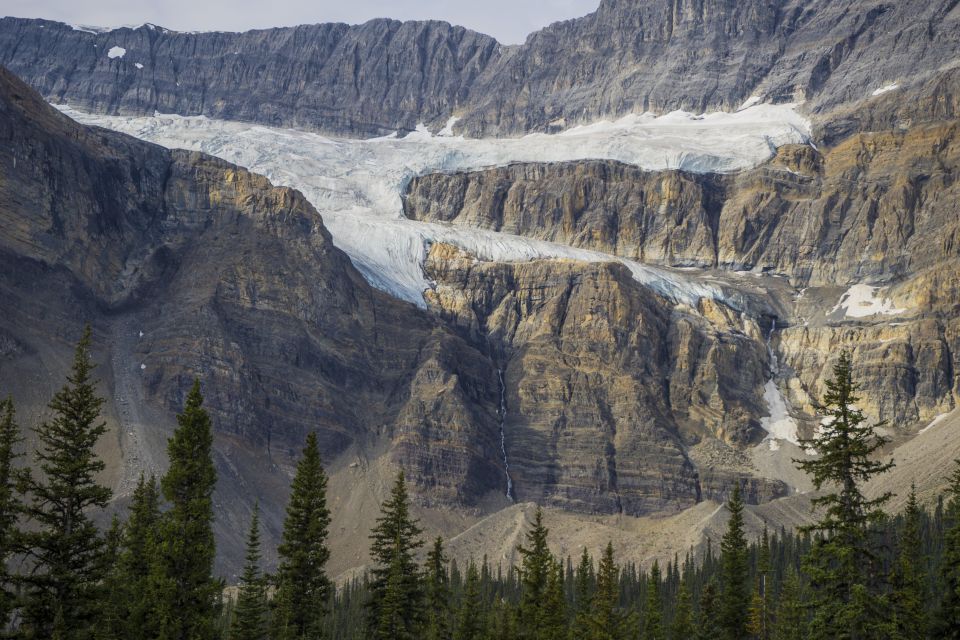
[(779, 424), (862, 301), (885, 89), (116, 52)]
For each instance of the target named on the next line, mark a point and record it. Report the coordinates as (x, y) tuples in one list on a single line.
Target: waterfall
[(774, 363), (503, 436)]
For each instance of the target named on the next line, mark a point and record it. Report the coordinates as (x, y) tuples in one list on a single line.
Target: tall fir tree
[(947, 620), (471, 618), (62, 590), (536, 563), (437, 593), (113, 603), (908, 579), (303, 588), (607, 620), (250, 614), (760, 623), (582, 595), (841, 565), (735, 572), (708, 616), (10, 506), (396, 586), (653, 612), (682, 627), (186, 595), (136, 561), (791, 617), (553, 613)]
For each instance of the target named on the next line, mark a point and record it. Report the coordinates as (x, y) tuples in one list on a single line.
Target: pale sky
[(508, 20)]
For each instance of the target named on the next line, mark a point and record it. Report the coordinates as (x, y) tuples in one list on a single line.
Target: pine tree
[(583, 593), (535, 565), (553, 617), (708, 627), (653, 612), (760, 618), (62, 590), (137, 559), (471, 617), (791, 619), (682, 627), (947, 622), (250, 614), (113, 605), (909, 590), (303, 588), (607, 620), (186, 594), (735, 594), (396, 587), (839, 564), (437, 593), (10, 505)]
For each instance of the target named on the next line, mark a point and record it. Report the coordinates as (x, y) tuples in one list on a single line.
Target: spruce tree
[(10, 505), (682, 627), (947, 622), (708, 618), (437, 593), (535, 565), (137, 559), (62, 590), (791, 618), (186, 594), (653, 612), (553, 618), (841, 564), (735, 594), (471, 617), (303, 588), (396, 586), (113, 605), (909, 589), (607, 620), (250, 614), (582, 595)]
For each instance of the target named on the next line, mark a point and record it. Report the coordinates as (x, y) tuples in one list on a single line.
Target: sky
[(508, 20)]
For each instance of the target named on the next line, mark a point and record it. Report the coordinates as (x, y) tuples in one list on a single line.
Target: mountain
[(382, 76), (617, 321)]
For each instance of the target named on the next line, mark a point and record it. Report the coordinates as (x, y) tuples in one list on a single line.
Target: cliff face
[(626, 57)]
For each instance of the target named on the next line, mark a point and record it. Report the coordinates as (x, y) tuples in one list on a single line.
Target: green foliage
[(735, 594), (653, 612), (536, 563), (62, 590), (10, 506), (947, 622), (437, 593), (791, 617), (303, 588), (250, 614), (909, 587), (842, 567), (682, 627), (186, 595), (396, 586), (553, 613), (471, 618), (137, 559), (583, 593)]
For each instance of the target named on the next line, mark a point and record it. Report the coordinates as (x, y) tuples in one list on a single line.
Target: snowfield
[(357, 184), (863, 301)]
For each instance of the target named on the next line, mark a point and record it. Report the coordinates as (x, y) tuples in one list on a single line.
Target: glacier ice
[(357, 185)]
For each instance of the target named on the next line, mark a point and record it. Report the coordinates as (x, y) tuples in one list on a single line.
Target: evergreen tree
[(303, 588), (682, 627), (607, 620), (760, 618), (10, 505), (250, 614), (909, 590), (471, 618), (535, 565), (396, 588), (735, 595), (113, 607), (62, 594), (839, 565), (791, 619), (583, 578), (438, 593), (653, 612), (553, 621), (186, 595), (137, 559), (708, 619), (947, 624)]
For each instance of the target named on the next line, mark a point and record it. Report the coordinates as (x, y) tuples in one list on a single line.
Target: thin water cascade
[(503, 436), (774, 363)]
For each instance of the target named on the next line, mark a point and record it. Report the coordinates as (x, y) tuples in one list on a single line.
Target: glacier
[(357, 184)]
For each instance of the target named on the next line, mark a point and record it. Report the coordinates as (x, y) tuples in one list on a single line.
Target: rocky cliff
[(626, 57)]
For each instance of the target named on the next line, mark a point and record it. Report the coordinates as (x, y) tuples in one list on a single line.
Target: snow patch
[(937, 420), (778, 424), (885, 89), (750, 102), (447, 131), (862, 300), (357, 185), (138, 65), (116, 52)]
